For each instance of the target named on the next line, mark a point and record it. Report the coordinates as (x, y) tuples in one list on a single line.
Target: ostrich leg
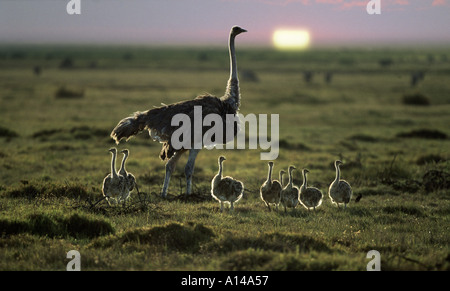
[(189, 169), (170, 167)]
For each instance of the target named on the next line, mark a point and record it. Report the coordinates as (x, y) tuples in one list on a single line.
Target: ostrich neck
[(232, 95), (290, 178), (113, 165), (122, 167), (233, 66), (281, 179), (338, 173), (220, 169), (304, 180), (269, 176)]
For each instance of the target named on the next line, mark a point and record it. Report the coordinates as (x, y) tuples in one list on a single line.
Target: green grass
[(54, 156)]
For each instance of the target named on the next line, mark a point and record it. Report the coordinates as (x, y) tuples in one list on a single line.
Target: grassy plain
[(54, 139)]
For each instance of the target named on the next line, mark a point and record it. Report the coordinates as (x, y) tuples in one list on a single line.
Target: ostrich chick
[(289, 195), (113, 184), (340, 191), (310, 197), (129, 178), (226, 189), (270, 190)]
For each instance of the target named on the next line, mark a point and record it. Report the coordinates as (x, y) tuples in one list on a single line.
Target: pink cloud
[(349, 4), (438, 3), (401, 2), (330, 1), (355, 3)]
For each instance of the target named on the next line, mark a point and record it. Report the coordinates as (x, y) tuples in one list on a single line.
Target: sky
[(207, 22)]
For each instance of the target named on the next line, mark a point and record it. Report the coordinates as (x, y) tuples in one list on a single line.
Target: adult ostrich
[(158, 121)]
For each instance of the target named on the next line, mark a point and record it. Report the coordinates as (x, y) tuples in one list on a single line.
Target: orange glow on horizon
[(291, 39)]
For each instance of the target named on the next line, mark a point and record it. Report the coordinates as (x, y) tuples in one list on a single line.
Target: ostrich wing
[(228, 186), (158, 120)]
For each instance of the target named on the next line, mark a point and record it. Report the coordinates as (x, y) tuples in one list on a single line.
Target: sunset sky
[(200, 22)]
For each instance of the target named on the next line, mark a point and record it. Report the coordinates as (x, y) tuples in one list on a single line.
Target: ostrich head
[(271, 164), (282, 172), (338, 163), (221, 159), (113, 150), (235, 30), (305, 171), (291, 168), (125, 152)]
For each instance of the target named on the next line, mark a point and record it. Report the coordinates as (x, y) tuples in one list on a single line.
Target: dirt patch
[(43, 224), (174, 236), (416, 99), (5, 132), (423, 133), (31, 191)]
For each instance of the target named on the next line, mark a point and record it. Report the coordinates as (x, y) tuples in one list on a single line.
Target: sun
[(291, 39)]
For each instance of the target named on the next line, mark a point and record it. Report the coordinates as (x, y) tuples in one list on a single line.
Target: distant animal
[(158, 121), (308, 76), (37, 70), (290, 193), (328, 77), (310, 197), (358, 198), (129, 178), (114, 185), (226, 189), (270, 189), (416, 77), (339, 191)]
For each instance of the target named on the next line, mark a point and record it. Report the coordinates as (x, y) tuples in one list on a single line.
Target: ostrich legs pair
[(158, 120)]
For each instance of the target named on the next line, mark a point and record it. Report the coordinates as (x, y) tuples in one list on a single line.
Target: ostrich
[(310, 197), (289, 195), (328, 77), (270, 190), (113, 184), (158, 120), (226, 189), (308, 76), (340, 191), (129, 178)]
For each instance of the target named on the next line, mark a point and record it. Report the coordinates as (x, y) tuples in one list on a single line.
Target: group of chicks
[(273, 193), (118, 185)]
